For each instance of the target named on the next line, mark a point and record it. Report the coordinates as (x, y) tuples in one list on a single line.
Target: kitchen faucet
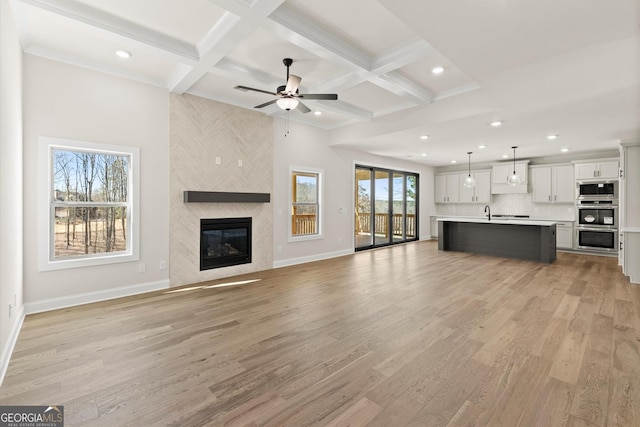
[(487, 208)]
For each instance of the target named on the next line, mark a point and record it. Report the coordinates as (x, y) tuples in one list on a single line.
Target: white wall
[(10, 184), (307, 146), (69, 102)]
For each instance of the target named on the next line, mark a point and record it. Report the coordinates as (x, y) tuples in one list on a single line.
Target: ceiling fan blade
[(245, 88), (329, 96), (292, 84), (273, 101), (303, 108)]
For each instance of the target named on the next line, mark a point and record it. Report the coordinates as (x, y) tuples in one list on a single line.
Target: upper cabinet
[(599, 169), (553, 184), (481, 192), (447, 188), (501, 173)]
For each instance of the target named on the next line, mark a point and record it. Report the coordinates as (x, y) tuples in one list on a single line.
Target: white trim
[(11, 343), (45, 217), (311, 258), (90, 297), (320, 214)]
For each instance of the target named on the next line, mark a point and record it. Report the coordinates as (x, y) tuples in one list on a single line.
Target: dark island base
[(528, 242)]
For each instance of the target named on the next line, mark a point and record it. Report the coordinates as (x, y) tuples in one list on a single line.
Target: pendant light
[(514, 179), (469, 181)]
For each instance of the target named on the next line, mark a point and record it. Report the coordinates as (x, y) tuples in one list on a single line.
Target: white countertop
[(510, 219), (499, 221)]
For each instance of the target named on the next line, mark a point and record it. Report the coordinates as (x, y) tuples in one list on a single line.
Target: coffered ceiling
[(569, 68)]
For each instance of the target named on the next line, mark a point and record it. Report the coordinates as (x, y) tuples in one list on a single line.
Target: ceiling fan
[(288, 96)]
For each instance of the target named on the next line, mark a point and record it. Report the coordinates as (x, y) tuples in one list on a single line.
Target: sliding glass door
[(385, 207)]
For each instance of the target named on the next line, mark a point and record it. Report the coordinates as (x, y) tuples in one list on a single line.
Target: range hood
[(500, 173)]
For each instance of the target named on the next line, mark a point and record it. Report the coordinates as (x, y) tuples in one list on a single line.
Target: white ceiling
[(569, 67)]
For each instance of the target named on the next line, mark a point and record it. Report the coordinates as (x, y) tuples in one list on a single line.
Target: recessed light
[(317, 113), (551, 137), (437, 70), (424, 154), (564, 150), (505, 156), (423, 137), (482, 146), (496, 123), (125, 54), (454, 161)]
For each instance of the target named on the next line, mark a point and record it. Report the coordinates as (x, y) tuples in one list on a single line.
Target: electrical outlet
[(239, 163), (218, 160), (163, 265), (141, 267), (10, 309)]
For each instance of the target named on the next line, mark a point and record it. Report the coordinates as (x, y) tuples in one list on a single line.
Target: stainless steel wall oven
[(597, 224), (597, 239)]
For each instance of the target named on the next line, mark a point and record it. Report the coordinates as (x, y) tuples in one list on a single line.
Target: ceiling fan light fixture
[(287, 104)]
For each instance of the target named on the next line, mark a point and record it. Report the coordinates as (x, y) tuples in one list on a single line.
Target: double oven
[(597, 216)]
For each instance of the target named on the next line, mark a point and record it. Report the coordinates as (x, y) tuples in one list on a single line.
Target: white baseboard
[(11, 343), (89, 297), (311, 258)]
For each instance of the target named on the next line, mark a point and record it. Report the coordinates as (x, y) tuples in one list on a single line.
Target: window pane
[(89, 230), (306, 190), (305, 203), (80, 176), (304, 220)]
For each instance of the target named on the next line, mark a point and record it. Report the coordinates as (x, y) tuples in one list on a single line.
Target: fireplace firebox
[(224, 242)]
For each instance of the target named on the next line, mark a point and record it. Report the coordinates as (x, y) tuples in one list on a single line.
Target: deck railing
[(306, 224)]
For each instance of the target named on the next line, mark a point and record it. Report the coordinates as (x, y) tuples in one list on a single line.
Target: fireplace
[(224, 242)]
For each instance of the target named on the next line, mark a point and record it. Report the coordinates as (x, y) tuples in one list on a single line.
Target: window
[(91, 211), (306, 198)]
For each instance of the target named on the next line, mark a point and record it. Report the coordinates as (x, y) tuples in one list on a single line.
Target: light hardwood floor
[(397, 336)]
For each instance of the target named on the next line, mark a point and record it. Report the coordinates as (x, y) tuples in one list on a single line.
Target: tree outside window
[(90, 200), (88, 204)]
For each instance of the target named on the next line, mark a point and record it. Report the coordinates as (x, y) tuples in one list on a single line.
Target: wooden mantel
[(225, 197)]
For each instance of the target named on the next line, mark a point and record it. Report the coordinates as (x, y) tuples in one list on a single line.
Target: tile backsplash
[(512, 204)]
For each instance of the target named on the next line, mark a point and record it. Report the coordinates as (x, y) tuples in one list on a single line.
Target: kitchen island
[(529, 240)]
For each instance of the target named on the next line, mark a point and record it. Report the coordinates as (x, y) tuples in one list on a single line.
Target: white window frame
[(320, 211), (46, 205)]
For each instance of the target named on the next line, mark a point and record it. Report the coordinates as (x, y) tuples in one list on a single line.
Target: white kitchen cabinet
[(630, 210), (434, 227), (564, 235), (553, 184), (481, 192), (447, 188), (601, 169)]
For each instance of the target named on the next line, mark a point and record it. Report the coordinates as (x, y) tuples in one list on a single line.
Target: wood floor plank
[(567, 363), (404, 335), (592, 392)]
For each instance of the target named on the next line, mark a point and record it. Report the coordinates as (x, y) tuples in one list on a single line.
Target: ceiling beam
[(114, 24), (232, 28)]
